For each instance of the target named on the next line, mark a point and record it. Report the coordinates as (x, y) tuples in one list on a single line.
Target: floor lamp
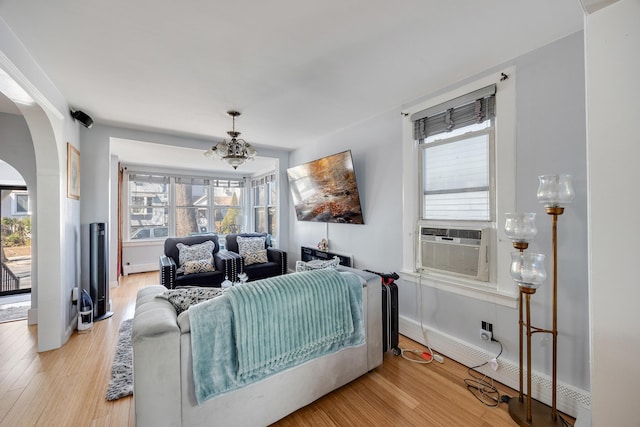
[(527, 269)]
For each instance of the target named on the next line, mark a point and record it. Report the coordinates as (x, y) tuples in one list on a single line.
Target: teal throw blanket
[(263, 327)]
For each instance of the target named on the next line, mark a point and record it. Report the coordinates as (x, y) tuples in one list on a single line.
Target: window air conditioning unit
[(462, 252)]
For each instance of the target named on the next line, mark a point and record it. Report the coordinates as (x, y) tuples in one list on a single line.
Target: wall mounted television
[(325, 190)]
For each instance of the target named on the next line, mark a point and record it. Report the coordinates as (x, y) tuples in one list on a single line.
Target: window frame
[(15, 203), (245, 202), (208, 189), (268, 188), (147, 207), (171, 205), (500, 289)]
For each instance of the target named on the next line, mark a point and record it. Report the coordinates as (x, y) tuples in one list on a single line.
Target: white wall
[(613, 87), (16, 148), (375, 148), (550, 139), (95, 173), (15, 141)]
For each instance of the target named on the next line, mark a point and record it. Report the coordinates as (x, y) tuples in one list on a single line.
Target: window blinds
[(456, 179), (165, 179), (263, 180), (475, 107), (148, 178)]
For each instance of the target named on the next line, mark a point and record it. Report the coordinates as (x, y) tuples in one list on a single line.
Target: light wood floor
[(66, 387)]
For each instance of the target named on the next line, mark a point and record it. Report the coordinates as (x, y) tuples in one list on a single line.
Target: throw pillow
[(183, 298), (319, 264), (250, 244), (193, 253), (257, 257), (199, 266)]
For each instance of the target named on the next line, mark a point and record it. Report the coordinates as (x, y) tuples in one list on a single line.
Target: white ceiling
[(297, 70)]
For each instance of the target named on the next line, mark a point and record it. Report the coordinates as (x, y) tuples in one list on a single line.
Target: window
[(164, 205), (264, 204), (456, 143), (459, 149), (228, 209), (21, 203), (192, 205), (456, 177), (148, 204)]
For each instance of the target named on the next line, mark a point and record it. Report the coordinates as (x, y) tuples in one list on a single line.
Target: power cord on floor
[(423, 356), (482, 389)]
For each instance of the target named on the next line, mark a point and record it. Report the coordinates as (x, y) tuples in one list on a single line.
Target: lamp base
[(540, 413)]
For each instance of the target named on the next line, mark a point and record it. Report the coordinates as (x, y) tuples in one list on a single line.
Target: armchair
[(225, 264), (276, 264)]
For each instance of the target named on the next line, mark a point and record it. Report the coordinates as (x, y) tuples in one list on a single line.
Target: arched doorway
[(45, 126)]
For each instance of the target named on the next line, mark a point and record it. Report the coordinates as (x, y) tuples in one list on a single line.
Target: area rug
[(121, 383), (13, 312)]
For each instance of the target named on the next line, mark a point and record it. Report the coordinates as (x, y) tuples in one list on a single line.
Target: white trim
[(140, 268), (17, 77), (32, 316), (461, 286), (500, 287), (14, 203), (157, 241), (569, 399)]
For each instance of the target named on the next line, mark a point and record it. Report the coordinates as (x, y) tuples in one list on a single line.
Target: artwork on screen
[(325, 190)]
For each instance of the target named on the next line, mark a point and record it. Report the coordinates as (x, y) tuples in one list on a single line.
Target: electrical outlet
[(486, 331)]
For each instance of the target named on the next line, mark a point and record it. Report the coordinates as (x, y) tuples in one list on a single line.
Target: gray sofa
[(163, 376)]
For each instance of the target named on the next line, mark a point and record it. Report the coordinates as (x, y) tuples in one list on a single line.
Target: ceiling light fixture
[(236, 151)]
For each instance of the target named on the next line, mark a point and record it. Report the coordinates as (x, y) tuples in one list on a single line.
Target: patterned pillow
[(257, 257), (319, 264), (250, 244), (199, 266), (194, 253), (183, 298)]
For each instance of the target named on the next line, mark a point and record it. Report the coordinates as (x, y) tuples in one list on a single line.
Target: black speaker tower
[(98, 270)]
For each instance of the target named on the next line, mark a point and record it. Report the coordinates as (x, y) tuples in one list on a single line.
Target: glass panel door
[(15, 240)]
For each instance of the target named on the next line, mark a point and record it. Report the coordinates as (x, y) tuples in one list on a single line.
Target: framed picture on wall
[(73, 172)]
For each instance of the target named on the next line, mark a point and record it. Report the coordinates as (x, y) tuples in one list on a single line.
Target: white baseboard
[(32, 316), (570, 400), (69, 330), (139, 268)]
